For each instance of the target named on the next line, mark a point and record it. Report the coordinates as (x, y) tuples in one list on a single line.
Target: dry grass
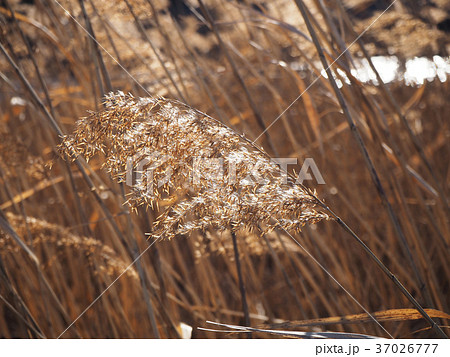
[(67, 233)]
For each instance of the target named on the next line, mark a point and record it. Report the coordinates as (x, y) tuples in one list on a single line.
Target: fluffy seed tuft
[(216, 178)]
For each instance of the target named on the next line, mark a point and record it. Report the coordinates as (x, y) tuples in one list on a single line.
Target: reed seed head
[(164, 149)]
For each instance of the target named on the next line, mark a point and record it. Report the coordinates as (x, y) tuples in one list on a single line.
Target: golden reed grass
[(99, 256), (178, 151), (275, 63)]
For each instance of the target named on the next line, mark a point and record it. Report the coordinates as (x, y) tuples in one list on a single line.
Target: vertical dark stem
[(241, 282)]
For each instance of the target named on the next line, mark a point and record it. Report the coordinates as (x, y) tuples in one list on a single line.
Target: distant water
[(415, 72)]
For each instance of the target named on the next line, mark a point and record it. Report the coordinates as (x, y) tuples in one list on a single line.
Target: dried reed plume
[(176, 151), (45, 234)]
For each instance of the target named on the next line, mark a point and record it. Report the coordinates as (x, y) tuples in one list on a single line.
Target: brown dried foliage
[(101, 258), (194, 280)]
